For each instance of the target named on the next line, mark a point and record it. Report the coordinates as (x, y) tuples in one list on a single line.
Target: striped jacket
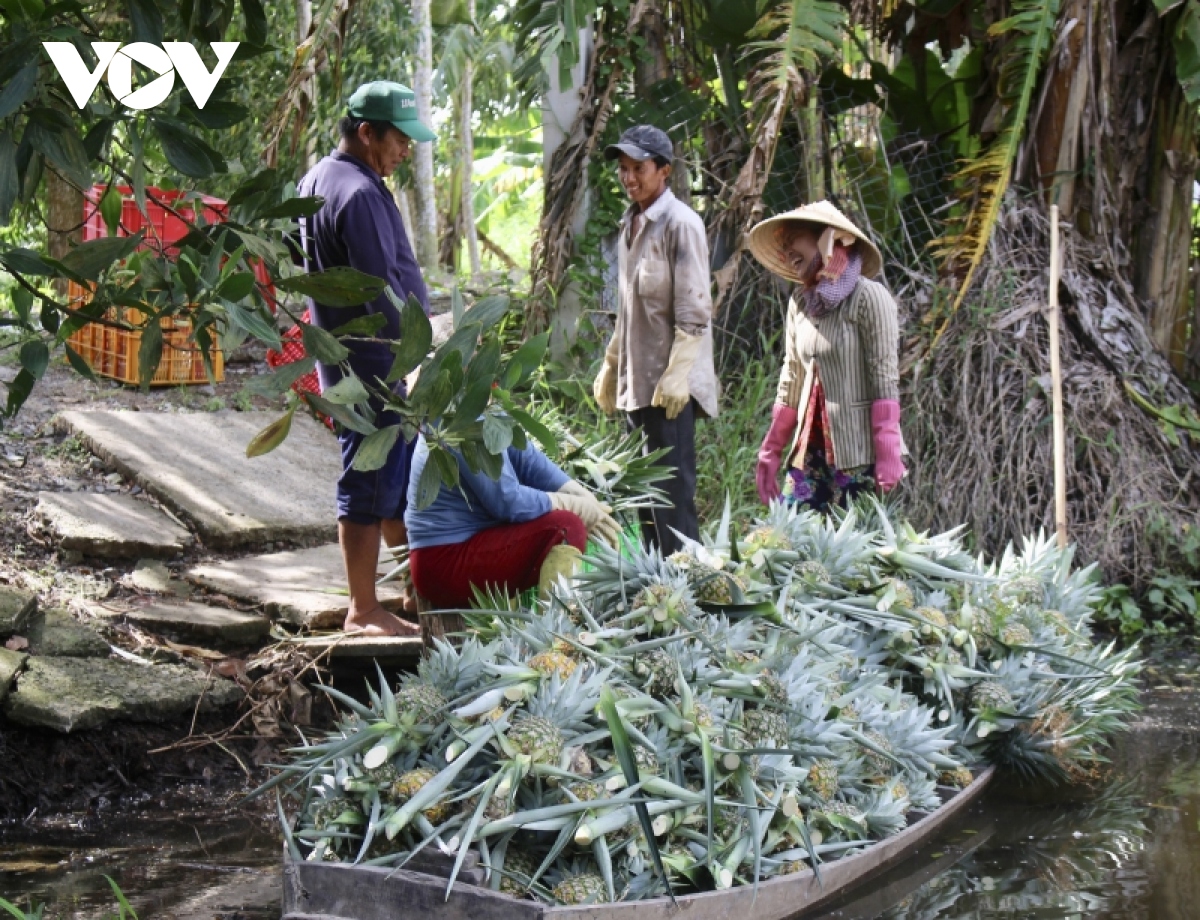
[(855, 350)]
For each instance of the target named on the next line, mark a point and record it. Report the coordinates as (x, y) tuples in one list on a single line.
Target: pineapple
[(765, 728), (585, 888), (1016, 634), (659, 670), (813, 572), (420, 701), (823, 778), (766, 538), (519, 867), (773, 688), (937, 625), (412, 782), (880, 766), (1025, 589), (554, 661), (841, 814), (900, 591), (989, 696), (959, 777), (646, 759), (537, 738)]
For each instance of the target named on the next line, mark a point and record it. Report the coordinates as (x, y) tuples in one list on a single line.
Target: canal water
[(1132, 851)]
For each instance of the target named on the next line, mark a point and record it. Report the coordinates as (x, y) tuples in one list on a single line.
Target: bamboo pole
[(1060, 436)]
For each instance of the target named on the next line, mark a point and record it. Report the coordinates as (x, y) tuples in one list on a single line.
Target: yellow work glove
[(604, 388), (672, 392), (595, 515)]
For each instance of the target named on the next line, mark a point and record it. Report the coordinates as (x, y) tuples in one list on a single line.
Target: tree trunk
[(426, 242), (307, 101), (468, 160), (64, 219)]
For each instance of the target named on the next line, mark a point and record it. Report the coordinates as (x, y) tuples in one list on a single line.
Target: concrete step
[(111, 526), (67, 694), (191, 622)]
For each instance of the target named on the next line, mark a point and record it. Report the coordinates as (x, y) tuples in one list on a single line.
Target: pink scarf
[(833, 282)]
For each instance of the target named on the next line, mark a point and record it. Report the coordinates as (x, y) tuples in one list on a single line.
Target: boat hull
[(332, 891)]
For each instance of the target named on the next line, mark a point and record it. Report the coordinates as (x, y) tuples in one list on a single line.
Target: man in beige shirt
[(658, 367)]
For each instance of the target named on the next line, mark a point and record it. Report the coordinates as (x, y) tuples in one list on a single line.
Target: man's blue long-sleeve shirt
[(358, 226), (455, 516)]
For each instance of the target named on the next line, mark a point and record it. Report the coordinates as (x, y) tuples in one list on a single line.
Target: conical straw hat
[(764, 239)]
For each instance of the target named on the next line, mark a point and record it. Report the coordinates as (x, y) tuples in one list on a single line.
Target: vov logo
[(172, 58)]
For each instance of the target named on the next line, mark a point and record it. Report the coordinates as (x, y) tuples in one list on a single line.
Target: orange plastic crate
[(113, 353)]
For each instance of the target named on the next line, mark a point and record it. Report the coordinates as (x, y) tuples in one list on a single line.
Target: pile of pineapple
[(754, 706)]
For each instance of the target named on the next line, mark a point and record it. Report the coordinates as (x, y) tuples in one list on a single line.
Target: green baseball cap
[(383, 100)]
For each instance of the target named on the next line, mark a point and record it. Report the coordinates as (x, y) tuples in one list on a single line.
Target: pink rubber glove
[(885, 431), (770, 455)]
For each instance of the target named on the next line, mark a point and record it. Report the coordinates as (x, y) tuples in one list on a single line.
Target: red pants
[(509, 557)]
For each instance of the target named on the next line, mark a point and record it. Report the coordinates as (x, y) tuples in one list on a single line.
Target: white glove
[(604, 388), (673, 392), (595, 515)]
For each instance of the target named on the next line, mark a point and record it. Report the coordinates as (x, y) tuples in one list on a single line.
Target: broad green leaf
[(146, 20), (255, 322), (293, 207), (57, 139), (237, 286), (484, 365), (416, 337), (150, 350), (497, 433), (373, 452), (26, 262), (10, 186), (447, 468), (487, 311), (217, 114), (430, 482), (13, 96), (272, 436), (323, 346), (335, 287), (349, 391), (463, 340), (256, 21), (22, 301), (81, 367), (98, 135), (440, 394), (527, 360), (280, 381), (343, 415), (184, 151), (457, 307), (111, 203), (18, 392), (366, 326), (89, 259), (449, 13), (543, 434), (471, 406), (35, 358)]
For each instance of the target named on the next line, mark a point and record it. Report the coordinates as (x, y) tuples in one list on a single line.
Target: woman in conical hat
[(835, 426)]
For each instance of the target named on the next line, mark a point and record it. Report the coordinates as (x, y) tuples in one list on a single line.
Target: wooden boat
[(332, 891)]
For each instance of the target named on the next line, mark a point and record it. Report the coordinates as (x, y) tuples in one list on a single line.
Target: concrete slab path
[(196, 465), (17, 609), (111, 526), (68, 694), (192, 622), (59, 634), (304, 587)]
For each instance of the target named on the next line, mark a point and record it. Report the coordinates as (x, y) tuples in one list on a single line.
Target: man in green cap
[(359, 226)]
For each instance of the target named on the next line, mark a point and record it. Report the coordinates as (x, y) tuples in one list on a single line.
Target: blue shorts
[(382, 494)]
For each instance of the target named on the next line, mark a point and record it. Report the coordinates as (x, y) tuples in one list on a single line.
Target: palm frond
[(1030, 34)]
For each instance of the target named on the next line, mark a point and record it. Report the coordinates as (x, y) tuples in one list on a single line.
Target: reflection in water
[(1131, 852), (183, 866)]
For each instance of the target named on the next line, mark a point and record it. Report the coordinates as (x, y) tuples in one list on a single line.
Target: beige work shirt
[(855, 350), (663, 285)]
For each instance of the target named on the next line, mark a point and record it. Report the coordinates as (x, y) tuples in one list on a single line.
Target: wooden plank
[(364, 893), (440, 624)]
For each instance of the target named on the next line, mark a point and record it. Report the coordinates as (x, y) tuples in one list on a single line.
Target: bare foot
[(378, 623), (408, 600)]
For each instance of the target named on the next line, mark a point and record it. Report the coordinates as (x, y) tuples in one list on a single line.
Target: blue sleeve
[(376, 244), (535, 469), (505, 499)]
